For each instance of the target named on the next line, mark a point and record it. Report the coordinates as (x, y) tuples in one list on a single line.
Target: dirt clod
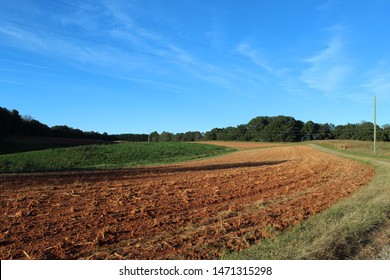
[(196, 210)]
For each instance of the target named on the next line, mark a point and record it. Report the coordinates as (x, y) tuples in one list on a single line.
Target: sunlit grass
[(364, 148), (106, 156)]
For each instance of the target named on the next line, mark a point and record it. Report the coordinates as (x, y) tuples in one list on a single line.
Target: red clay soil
[(243, 145), (195, 210)]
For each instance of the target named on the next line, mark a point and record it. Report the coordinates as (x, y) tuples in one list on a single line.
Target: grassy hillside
[(22, 143), (106, 156)]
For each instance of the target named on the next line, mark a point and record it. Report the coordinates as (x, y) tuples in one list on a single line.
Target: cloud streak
[(131, 50), (378, 81), (21, 38), (328, 69), (248, 51)]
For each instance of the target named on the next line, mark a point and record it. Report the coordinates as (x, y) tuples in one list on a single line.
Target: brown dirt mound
[(193, 210)]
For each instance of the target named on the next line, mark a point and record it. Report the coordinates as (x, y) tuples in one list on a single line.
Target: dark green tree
[(326, 131), (311, 131), (386, 132), (256, 127), (365, 131), (166, 136), (154, 136), (283, 129)]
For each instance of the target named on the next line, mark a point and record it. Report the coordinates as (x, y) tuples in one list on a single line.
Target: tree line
[(287, 129), (260, 129), (280, 129), (12, 123)]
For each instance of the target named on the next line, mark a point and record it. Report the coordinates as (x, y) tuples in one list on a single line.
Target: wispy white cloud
[(156, 43), (160, 85), (248, 51), (19, 37), (119, 11), (328, 69), (83, 55), (23, 64), (80, 20), (326, 6), (378, 81), (131, 50), (12, 82), (380, 84)]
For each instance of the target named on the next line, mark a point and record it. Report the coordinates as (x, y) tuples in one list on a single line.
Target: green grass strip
[(107, 156)]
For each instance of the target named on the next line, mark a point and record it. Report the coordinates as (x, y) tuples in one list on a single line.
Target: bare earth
[(193, 210)]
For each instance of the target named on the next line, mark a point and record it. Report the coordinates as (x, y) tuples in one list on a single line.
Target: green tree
[(154, 136), (326, 131), (214, 134), (311, 130), (365, 131), (243, 133), (16, 122), (166, 136), (256, 128), (386, 132), (5, 121), (283, 129)]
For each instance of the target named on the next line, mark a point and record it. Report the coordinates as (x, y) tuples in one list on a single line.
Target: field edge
[(343, 231), (107, 157)]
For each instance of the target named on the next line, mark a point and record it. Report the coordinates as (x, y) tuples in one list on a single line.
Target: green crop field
[(106, 156)]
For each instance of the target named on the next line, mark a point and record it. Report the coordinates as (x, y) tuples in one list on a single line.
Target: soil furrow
[(193, 210)]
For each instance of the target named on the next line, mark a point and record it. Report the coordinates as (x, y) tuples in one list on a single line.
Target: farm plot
[(195, 210)]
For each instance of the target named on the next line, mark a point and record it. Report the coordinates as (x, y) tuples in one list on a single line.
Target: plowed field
[(193, 210)]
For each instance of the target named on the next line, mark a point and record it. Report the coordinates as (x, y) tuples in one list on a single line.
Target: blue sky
[(134, 66)]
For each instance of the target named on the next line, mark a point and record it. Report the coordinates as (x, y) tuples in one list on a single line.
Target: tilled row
[(194, 210)]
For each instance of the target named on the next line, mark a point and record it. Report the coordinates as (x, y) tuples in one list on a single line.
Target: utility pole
[(374, 125)]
